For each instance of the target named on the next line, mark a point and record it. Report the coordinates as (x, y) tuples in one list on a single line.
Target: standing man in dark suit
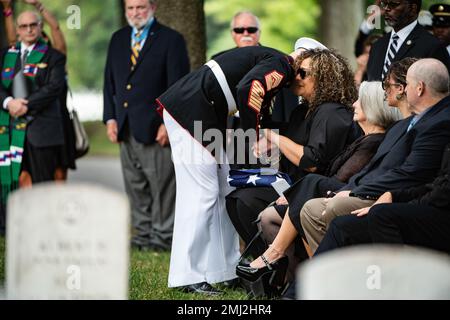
[(409, 156), (144, 59), (30, 120), (408, 39)]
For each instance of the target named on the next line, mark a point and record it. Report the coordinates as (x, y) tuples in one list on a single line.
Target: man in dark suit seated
[(31, 130), (418, 216), (408, 39), (409, 156), (144, 60)]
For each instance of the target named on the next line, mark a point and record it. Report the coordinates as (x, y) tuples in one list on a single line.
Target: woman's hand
[(261, 147), (281, 201)]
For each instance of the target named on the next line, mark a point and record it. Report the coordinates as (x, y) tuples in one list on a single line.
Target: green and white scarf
[(12, 131)]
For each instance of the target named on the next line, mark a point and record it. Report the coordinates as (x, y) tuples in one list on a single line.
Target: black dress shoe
[(267, 281), (252, 274), (203, 288)]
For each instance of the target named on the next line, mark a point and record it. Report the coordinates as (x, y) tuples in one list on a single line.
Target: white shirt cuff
[(111, 121), (5, 102), (366, 27)]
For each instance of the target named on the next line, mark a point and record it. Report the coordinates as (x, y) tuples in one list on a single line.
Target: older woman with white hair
[(374, 116)]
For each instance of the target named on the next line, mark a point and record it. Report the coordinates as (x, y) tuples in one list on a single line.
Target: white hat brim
[(308, 44)]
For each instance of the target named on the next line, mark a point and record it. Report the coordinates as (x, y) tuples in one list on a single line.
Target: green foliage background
[(87, 46), (282, 22)]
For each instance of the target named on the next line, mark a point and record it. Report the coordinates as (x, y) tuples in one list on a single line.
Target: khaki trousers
[(315, 224)]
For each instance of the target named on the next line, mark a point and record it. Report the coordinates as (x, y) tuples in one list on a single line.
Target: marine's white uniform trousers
[(205, 245)]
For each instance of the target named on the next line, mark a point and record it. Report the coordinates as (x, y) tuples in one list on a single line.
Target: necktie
[(412, 123), (19, 87), (24, 58), (392, 51), (135, 49)]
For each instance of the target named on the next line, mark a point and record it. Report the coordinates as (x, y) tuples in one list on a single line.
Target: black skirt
[(257, 198), (40, 163)]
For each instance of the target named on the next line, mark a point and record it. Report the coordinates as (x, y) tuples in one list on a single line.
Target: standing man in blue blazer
[(144, 60)]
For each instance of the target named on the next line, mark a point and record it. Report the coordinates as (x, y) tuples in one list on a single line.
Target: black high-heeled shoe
[(266, 281)]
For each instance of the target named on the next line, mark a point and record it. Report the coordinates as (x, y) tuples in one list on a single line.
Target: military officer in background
[(441, 23)]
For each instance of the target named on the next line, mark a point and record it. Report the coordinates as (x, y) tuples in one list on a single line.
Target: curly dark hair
[(398, 70), (333, 78)]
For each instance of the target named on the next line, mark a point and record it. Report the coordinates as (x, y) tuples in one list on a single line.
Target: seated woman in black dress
[(374, 116), (315, 134)]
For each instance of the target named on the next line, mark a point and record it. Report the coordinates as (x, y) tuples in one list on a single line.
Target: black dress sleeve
[(330, 125), (363, 153)]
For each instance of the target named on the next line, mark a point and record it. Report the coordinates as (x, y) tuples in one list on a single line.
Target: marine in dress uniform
[(205, 244)]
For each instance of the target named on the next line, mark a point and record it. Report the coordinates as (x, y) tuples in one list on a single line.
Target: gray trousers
[(150, 185), (315, 224)]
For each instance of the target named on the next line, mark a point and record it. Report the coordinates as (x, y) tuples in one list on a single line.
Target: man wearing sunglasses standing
[(245, 29), (407, 39), (31, 130)]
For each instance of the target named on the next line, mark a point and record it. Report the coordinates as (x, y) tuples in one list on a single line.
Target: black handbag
[(80, 135)]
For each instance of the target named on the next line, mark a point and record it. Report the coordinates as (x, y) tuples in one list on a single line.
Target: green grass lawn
[(148, 270), (148, 279)]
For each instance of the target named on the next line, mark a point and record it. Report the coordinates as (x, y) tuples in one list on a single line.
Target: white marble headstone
[(67, 242), (375, 272)]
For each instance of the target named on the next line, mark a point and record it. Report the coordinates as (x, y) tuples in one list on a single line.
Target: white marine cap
[(308, 44)]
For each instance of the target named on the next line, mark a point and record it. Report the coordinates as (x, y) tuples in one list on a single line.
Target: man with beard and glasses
[(407, 39), (144, 59)]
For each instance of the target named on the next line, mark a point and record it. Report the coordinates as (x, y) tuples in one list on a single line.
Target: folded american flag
[(256, 177)]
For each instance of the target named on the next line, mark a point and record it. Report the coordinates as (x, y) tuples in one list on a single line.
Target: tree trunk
[(188, 18), (3, 40), (123, 20), (339, 25)]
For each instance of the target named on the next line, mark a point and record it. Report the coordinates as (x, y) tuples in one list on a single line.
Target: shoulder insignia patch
[(256, 96), (273, 79)]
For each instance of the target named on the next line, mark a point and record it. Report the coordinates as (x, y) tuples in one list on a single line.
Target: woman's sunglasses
[(303, 73)]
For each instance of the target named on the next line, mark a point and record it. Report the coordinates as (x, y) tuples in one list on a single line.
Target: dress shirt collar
[(24, 47), (404, 33), (144, 30)]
